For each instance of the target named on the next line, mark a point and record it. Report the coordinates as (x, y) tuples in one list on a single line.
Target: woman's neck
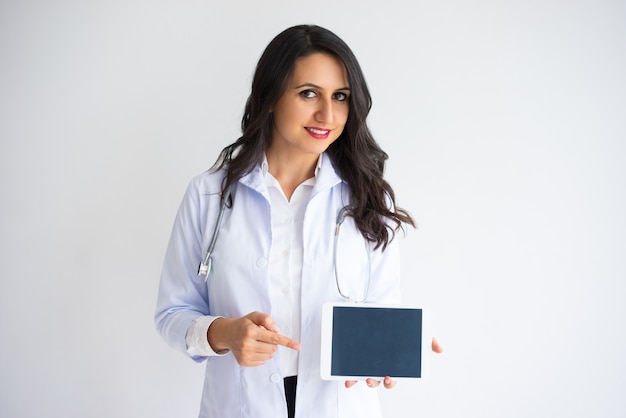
[(291, 170)]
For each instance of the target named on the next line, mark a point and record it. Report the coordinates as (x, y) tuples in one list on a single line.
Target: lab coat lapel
[(255, 180), (327, 176)]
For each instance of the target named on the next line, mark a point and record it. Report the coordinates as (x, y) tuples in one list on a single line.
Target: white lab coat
[(238, 285)]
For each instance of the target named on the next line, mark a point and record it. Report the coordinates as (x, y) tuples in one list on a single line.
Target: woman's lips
[(318, 133)]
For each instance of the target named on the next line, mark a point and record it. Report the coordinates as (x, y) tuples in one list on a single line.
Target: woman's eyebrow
[(315, 86)]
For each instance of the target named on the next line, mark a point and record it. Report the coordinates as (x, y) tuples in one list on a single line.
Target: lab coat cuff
[(196, 338)]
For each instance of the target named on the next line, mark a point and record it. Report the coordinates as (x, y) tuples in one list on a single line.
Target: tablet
[(368, 340)]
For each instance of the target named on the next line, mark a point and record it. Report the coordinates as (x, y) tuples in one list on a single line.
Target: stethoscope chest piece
[(205, 267)]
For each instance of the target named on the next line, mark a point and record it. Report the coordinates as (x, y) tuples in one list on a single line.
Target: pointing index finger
[(278, 339)]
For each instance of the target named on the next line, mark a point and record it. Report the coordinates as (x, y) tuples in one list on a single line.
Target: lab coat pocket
[(222, 388)]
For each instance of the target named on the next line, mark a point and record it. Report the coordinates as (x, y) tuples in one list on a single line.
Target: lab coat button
[(275, 378), (261, 262)]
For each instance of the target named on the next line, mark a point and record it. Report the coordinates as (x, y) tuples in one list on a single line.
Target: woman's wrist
[(215, 335)]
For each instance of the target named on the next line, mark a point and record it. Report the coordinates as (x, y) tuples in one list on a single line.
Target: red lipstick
[(318, 133)]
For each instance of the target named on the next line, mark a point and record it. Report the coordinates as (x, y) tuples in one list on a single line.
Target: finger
[(373, 383), (278, 339), (436, 347), (389, 383), (250, 362), (266, 321), (254, 353), (350, 383), (263, 320)]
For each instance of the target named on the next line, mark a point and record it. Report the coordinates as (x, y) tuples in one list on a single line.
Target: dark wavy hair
[(356, 156)]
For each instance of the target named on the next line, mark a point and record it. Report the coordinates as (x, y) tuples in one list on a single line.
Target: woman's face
[(313, 110)]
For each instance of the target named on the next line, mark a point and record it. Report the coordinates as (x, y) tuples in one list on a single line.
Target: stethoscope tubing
[(343, 212), (207, 262), (204, 269)]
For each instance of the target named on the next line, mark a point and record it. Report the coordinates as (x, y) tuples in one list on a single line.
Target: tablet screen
[(370, 341)]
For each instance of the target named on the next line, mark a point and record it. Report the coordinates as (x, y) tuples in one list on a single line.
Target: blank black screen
[(377, 342)]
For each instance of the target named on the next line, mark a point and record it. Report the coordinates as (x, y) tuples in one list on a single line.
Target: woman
[(305, 153)]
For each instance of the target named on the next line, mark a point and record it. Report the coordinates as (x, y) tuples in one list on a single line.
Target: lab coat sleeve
[(197, 342), (182, 296)]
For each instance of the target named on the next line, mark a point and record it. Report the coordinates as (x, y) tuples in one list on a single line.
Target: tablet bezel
[(327, 332)]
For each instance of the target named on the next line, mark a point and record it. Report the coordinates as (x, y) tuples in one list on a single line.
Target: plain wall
[(505, 126)]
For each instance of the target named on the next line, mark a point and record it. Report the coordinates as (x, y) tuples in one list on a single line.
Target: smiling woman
[(305, 156), (308, 117)]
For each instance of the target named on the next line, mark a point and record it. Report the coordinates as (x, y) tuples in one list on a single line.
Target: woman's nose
[(324, 112)]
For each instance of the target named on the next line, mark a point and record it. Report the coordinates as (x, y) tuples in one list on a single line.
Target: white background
[(505, 122)]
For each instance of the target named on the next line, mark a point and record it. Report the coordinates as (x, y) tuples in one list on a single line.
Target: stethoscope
[(341, 216), (207, 262)]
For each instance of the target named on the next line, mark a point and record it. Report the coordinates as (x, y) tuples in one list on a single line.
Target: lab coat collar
[(325, 176), (265, 166)]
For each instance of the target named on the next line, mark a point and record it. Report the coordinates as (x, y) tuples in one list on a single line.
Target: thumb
[(263, 320), (436, 347)]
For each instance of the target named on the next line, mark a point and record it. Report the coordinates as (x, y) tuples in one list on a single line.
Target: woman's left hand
[(388, 382)]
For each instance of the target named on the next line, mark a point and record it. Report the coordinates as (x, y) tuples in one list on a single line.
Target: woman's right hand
[(253, 339)]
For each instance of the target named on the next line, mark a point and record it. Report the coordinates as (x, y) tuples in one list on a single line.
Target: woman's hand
[(253, 339), (388, 382)]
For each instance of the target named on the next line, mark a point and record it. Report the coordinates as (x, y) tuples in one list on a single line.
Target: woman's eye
[(308, 94), (341, 97)]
